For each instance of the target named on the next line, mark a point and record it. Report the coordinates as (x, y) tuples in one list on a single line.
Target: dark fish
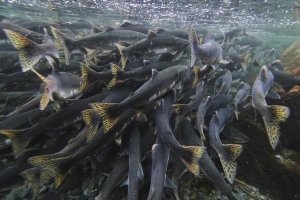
[(135, 173), (103, 40), (287, 81), (30, 52), (228, 153), (180, 34), (223, 84), (272, 115), (210, 53), (138, 74), (153, 44), (235, 32), (126, 25), (207, 107), (189, 155), (160, 83), (160, 158), (206, 164), (115, 178)]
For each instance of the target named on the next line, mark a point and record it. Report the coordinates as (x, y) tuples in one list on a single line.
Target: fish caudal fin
[(28, 50), (91, 120), (31, 177), (197, 78), (279, 114), (102, 109), (84, 84), (45, 99), (191, 161), (123, 56), (115, 70), (230, 165), (178, 108), (193, 38), (62, 41), (18, 140)]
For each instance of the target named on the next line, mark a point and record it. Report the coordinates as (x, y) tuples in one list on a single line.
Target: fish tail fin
[(91, 120), (18, 139), (84, 84), (230, 169), (191, 160), (103, 110), (279, 114), (31, 177), (50, 170), (178, 108), (197, 78), (230, 165), (122, 54), (62, 43), (38, 160), (115, 70), (45, 99), (193, 38), (28, 50)]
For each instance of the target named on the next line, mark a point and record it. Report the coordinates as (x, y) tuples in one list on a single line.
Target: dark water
[(263, 173)]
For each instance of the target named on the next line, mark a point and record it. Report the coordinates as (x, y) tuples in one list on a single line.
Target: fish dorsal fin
[(159, 30), (108, 29), (125, 23), (151, 34), (154, 73), (124, 44)]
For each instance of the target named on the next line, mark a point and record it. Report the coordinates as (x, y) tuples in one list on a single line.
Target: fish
[(138, 74), (241, 96), (189, 155), (153, 44), (286, 80), (21, 138), (63, 84), (159, 84), (272, 115), (223, 83), (228, 153), (127, 25), (115, 178), (184, 109), (207, 107), (207, 166), (103, 40), (30, 52), (135, 171), (160, 158), (210, 53), (235, 32)]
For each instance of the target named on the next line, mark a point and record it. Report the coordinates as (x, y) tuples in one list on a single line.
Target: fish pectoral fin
[(170, 184), (230, 169), (91, 120), (122, 54), (25, 47), (192, 161), (115, 70), (18, 139), (32, 180), (102, 109), (140, 173)]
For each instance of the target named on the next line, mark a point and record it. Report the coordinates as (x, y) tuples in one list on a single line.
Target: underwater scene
[(150, 99)]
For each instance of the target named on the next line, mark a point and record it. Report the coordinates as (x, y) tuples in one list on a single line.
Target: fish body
[(272, 115), (228, 153), (223, 83)]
